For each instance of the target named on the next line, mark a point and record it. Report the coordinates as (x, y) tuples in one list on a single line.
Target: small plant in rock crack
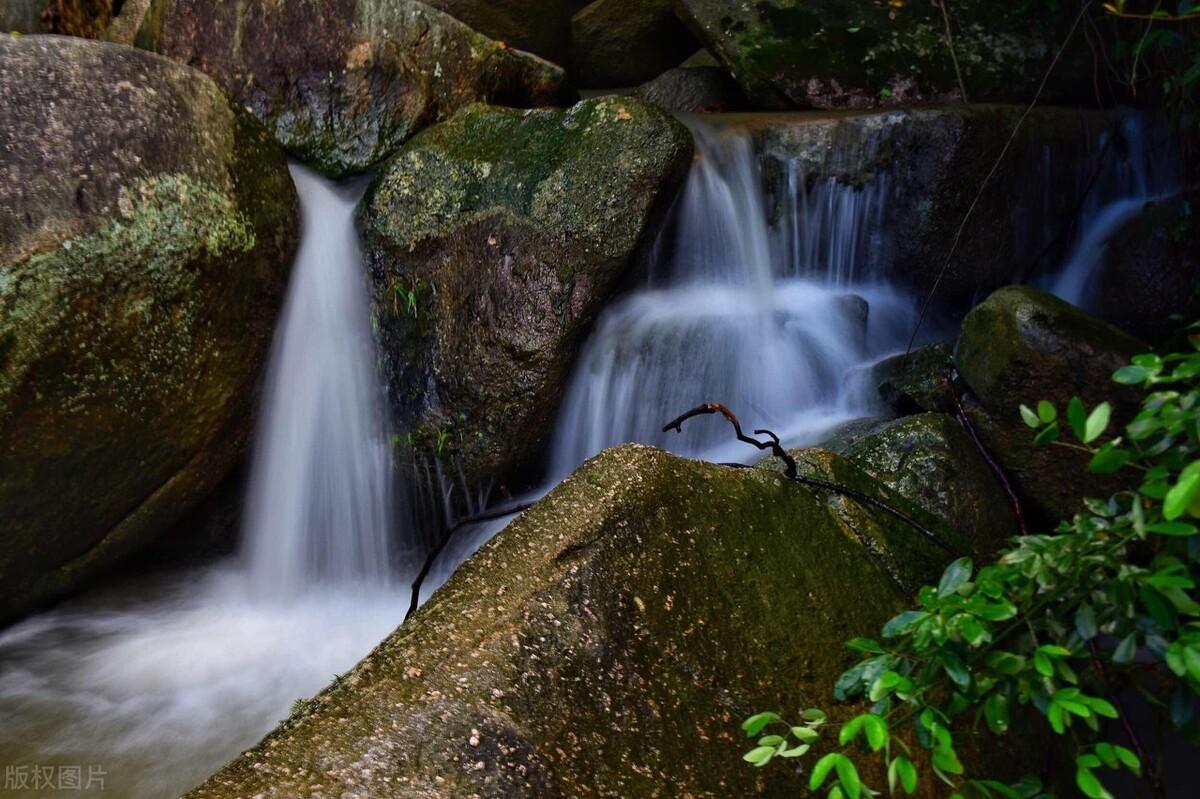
[(1061, 623)]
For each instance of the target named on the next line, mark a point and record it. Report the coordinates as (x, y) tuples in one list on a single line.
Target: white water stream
[(156, 683)]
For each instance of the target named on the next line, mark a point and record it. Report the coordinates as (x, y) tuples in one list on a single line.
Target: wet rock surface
[(494, 240), (702, 89), (344, 83), (1022, 345), (147, 226), (626, 42)]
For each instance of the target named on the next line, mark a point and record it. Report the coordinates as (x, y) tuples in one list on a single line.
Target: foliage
[(1060, 623), (1156, 48)]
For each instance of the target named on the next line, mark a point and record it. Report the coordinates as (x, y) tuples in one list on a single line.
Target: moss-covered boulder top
[(1021, 345), (861, 53), (146, 229), (344, 82), (494, 240), (608, 643)]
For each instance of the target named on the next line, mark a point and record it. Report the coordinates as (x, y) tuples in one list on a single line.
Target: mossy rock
[(618, 43), (931, 461), (865, 53), (917, 381), (343, 83), (146, 230), (494, 240), (1021, 345), (608, 643)]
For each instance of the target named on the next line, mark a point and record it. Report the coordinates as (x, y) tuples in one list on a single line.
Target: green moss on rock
[(136, 302), (494, 239), (838, 54), (1021, 345), (607, 643)]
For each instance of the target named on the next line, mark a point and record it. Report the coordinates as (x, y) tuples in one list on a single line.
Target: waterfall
[(773, 320), (1137, 173), (160, 680), (320, 484)]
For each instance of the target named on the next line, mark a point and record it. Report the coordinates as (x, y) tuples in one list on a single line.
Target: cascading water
[(773, 320), (320, 483), (1140, 172), (156, 684)]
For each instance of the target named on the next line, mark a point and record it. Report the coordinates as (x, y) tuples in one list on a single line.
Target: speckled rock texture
[(1153, 271), (917, 381), (930, 460), (626, 42), (927, 165), (703, 89), (1022, 345), (608, 643), (539, 26), (494, 239), (146, 231), (866, 53), (343, 83)]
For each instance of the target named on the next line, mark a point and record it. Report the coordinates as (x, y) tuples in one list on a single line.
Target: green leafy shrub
[(1059, 623)]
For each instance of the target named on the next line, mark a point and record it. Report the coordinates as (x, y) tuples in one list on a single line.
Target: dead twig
[(487, 516), (960, 413), (777, 450)]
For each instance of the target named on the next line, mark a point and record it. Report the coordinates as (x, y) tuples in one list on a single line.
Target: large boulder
[(931, 461), (1148, 285), (703, 89), (1022, 345), (539, 26), (918, 171), (146, 229), (864, 53), (494, 239), (344, 82), (626, 42), (608, 643)]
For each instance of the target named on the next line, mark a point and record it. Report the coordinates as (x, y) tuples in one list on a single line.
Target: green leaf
[(1077, 417), (864, 645), (1108, 460), (1101, 707), (1085, 622), (1126, 650), (1172, 528), (759, 755), (755, 724), (902, 622), (813, 715), (907, 773), (848, 775), (956, 669), (1048, 434), (1097, 422), (850, 730), (995, 711), (1030, 418), (944, 758), (770, 740), (795, 751), (1090, 786), (821, 770), (1131, 375), (955, 575), (1128, 758), (1046, 412), (876, 731), (1054, 714), (805, 734), (1183, 492)]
